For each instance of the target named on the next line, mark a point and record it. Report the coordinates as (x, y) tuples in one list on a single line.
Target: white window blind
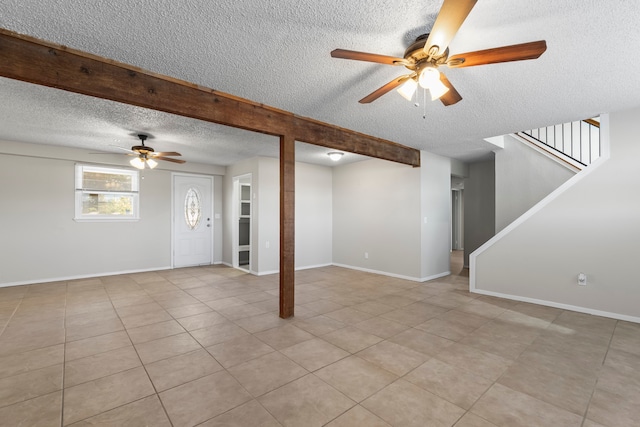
[(109, 194)]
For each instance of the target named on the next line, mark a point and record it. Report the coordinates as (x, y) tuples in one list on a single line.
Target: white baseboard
[(435, 276), (265, 273), (397, 276), (309, 267), (84, 276), (262, 273), (554, 304)]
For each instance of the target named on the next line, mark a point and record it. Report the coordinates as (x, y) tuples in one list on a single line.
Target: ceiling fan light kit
[(431, 51), (145, 156), (140, 162), (408, 88)]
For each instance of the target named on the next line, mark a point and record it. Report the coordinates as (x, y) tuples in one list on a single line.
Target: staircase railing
[(578, 141)]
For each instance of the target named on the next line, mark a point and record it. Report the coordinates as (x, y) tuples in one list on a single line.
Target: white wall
[(42, 242), (377, 210), (523, 178), (590, 224), (435, 195), (313, 214), (479, 206), (268, 215)]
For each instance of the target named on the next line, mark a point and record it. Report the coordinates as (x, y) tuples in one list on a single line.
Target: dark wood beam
[(287, 225), (36, 61)]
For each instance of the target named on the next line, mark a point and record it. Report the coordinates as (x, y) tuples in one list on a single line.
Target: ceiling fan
[(430, 51), (144, 155)]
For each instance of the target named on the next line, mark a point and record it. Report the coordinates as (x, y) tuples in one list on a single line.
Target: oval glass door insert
[(192, 208)]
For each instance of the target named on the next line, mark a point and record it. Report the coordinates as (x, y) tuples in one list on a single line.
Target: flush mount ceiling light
[(335, 155), (431, 51)]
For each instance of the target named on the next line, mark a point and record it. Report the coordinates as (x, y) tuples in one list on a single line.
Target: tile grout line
[(157, 395), (68, 307), (213, 357), (469, 411), (595, 385), (64, 354), (141, 364), (15, 310)]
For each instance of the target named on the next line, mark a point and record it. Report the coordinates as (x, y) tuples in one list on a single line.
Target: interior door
[(192, 220)]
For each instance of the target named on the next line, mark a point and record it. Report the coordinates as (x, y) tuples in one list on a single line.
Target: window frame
[(80, 191)]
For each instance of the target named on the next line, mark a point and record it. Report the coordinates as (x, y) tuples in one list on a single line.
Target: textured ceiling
[(277, 53)]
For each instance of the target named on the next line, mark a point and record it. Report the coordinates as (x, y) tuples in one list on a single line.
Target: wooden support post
[(36, 61), (287, 225)]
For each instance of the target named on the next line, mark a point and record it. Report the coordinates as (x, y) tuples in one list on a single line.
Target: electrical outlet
[(366, 255), (582, 279)]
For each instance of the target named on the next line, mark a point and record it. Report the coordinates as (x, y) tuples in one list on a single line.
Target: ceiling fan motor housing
[(415, 53), (142, 149)]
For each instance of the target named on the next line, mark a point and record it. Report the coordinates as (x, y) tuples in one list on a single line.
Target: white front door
[(192, 220)]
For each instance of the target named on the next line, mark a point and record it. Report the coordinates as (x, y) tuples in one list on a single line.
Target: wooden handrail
[(592, 122)]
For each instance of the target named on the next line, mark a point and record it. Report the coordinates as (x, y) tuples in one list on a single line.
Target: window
[(106, 194), (192, 210)]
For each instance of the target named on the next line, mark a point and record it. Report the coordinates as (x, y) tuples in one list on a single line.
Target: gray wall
[(459, 168), (398, 215), (313, 214), (479, 206), (435, 196), (377, 210), (42, 242), (590, 224), (523, 178)]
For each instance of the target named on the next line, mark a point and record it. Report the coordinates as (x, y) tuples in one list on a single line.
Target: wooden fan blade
[(384, 89), (168, 159), (165, 153), (516, 52), (123, 149), (368, 57), (451, 16), (452, 96)]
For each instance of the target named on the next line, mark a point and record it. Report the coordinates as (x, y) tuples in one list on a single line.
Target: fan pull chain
[(424, 103)]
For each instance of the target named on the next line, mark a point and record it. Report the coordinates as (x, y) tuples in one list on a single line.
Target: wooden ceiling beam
[(36, 61)]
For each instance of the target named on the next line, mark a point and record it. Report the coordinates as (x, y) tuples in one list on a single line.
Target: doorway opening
[(242, 212)]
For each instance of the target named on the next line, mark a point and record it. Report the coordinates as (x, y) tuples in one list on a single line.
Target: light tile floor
[(204, 346)]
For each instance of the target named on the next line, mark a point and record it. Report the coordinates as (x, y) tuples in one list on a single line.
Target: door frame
[(457, 219), (235, 215), (173, 209)]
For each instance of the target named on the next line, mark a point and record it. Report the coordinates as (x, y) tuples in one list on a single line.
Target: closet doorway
[(242, 212)]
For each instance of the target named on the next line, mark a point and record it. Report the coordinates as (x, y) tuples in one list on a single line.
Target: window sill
[(106, 219)]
